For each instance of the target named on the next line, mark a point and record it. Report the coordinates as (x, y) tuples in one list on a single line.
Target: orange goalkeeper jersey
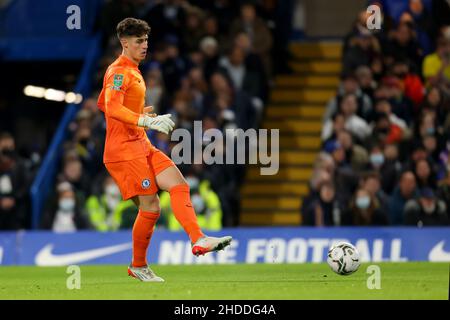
[(122, 99)]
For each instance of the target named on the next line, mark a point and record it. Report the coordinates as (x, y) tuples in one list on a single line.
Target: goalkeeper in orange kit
[(139, 168)]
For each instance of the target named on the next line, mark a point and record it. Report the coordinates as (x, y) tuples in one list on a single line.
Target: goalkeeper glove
[(161, 123)]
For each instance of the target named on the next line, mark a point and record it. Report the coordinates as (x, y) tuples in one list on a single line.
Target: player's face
[(137, 47)]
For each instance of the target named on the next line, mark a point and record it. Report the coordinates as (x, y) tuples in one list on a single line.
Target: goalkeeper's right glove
[(161, 123)]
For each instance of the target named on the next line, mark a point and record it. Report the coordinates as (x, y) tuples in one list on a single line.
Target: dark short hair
[(131, 27), (6, 136)]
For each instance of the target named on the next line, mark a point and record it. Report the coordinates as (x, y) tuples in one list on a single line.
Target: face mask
[(112, 202), (112, 190), (198, 203), (66, 204), (363, 202), (430, 131), (192, 182), (377, 159), (429, 209)]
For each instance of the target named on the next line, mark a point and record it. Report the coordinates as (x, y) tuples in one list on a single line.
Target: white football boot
[(210, 244), (144, 274)]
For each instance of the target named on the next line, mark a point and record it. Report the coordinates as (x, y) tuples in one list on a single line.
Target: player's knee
[(149, 203)]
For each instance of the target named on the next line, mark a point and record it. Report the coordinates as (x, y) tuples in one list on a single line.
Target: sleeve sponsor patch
[(117, 82)]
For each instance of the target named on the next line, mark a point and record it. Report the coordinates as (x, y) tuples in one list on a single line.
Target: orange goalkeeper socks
[(180, 201), (142, 233)]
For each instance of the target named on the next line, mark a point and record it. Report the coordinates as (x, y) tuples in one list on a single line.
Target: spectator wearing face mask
[(108, 212), (65, 212), (426, 211), (376, 158), (206, 205), (364, 210), (372, 183)]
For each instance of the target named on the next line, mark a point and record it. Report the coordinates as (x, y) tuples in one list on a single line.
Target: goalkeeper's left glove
[(161, 123)]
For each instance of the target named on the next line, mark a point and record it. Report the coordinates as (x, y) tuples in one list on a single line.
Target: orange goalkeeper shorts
[(137, 177)]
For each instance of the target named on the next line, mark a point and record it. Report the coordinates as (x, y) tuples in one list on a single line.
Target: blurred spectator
[(364, 210), (166, 18), (155, 88), (206, 204), (349, 85), (366, 81), (360, 26), (443, 191), (323, 172), (441, 13), (174, 66), (344, 177), (192, 32), (384, 106), (243, 78), (324, 210), (363, 49), (392, 90), (371, 182), (226, 104), (384, 131), (424, 175), (355, 154), (252, 60), (211, 30), (390, 169), (14, 184), (436, 66), (423, 23), (88, 152), (337, 152), (437, 103), (64, 213), (430, 144), (210, 51), (376, 157), (413, 87), (406, 190), (354, 123), (74, 174), (107, 211), (403, 45), (258, 32), (427, 210), (332, 126), (224, 11)]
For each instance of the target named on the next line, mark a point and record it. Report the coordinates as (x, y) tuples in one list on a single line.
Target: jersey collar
[(124, 60)]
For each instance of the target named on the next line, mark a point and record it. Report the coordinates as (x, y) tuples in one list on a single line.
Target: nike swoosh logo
[(45, 257), (438, 253)]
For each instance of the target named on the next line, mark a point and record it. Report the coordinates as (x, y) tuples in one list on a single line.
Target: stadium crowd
[(386, 134), (208, 61), (385, 156)]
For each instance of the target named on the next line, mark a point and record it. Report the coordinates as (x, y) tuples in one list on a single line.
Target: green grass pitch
[(413, 280)]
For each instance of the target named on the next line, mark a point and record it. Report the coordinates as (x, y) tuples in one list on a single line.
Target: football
[(343, 258)]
